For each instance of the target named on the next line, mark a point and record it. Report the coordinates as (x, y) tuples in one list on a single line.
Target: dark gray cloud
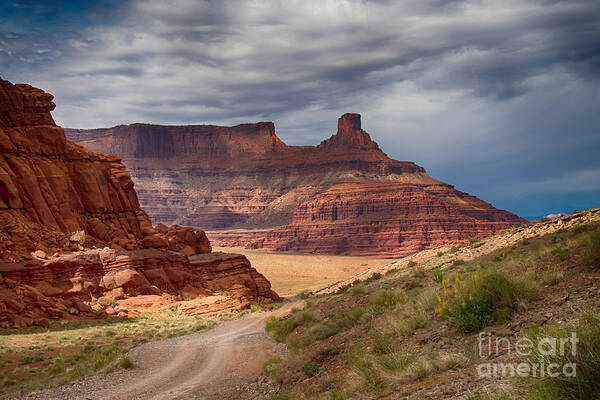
[(511, 87)]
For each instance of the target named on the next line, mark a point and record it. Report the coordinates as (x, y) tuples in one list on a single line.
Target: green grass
[(364, 367), (396, 361), (586, 383), (126, 363), (388, 298), (310, 369), (336, 394), (493, 298), (591, 252)]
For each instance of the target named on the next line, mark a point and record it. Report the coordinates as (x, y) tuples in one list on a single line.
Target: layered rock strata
[(73, 235), (344, 196)]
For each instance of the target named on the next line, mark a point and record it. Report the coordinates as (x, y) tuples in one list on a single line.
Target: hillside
[(411, 331), (344, 196)]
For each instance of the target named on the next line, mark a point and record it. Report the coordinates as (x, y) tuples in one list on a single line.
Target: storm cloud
[(501, 99)]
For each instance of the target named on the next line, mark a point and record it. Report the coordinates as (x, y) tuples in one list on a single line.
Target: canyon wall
[(344, 196), (74, 237)]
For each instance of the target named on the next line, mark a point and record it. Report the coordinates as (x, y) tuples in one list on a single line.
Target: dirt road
[(205, 365)]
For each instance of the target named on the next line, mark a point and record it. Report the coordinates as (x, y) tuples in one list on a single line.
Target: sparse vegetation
[(585, 384), (483, 299), (310, 369), (126, 363), (395, 338), (36, 358)]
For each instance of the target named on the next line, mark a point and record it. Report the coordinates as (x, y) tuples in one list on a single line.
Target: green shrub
[(440, 253), (591, 250), (474, 239), (411, 264), (358, 289), (310, 369), (329, 328), (388, 298), (280, 328), (364, 367), (491, 298), (255, 308), (337, 394), (396, 361), (560, 253), (454, 249), (586, 382), (459, 261), (408, 326), (271, 361), (421, 370), (383, 343), (126, 363), (376, 276)]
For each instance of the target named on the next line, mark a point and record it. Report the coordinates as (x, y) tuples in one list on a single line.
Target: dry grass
[(35, 358), (291, 273)]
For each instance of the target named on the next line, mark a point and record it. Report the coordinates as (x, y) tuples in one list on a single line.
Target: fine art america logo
[(540, 356)]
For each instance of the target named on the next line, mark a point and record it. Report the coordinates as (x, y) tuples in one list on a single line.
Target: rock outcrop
[(344, 196), (73, 235)]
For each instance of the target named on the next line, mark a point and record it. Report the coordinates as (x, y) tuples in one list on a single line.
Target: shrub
[(271, 361), (591, 251), (408, 326), (363, 366), (358, 289), (490, 298), (376, 276), (551, 277), (440, 253), (411, 264), (383, 343), (586, 382), (388, 298), (336, 394), (560, 253), (310, 369), (345, 321), (275, 372), (304, 295), (419, 271), (474, 239), (255, 308), (459, 261), (126, 363), (421, 370), (396, 361)]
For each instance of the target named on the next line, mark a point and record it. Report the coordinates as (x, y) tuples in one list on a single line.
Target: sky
[(499, 98)]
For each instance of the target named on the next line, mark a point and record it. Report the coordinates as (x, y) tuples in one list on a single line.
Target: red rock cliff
[(343, 196), (58, 198)]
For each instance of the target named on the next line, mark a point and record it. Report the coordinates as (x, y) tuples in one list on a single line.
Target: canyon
[(247, 188), (74, 240)]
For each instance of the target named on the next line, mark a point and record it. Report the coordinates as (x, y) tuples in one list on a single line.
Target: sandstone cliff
[(73, 235), (343, 196)]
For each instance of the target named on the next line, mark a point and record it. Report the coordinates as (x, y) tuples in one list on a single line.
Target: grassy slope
[(383, 339), (37, 358)]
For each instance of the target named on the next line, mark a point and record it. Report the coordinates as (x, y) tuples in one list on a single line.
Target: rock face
[(60, 204), (34, 290), (344, 196)]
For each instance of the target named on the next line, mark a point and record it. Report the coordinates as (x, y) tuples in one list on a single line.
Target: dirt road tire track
[(205, 365)]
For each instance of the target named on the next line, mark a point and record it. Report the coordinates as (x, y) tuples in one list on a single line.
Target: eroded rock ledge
[(75, 242)]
